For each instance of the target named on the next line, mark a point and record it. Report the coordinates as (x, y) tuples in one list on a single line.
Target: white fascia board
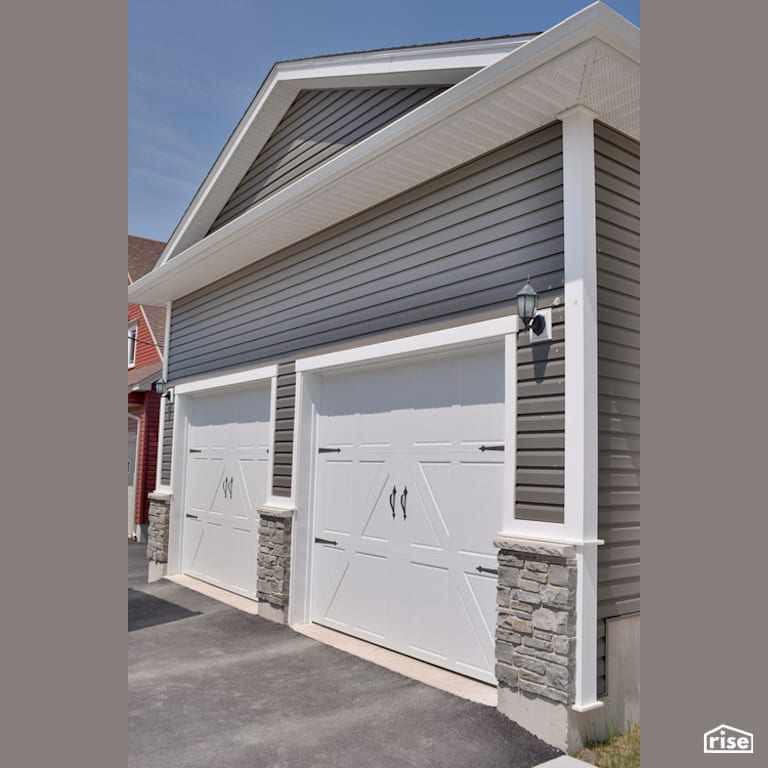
[(407, 67), (212, 257)]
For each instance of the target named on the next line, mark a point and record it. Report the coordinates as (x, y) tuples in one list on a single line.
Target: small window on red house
[(133, 330)]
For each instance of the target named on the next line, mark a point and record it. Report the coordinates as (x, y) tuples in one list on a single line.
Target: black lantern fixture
[(527, 304), (161, 387)]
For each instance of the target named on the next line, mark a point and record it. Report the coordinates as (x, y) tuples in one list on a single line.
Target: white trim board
[(226, 380), (411, 345)]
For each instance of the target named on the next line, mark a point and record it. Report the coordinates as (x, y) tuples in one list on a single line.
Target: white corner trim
[(580, 305), (227, 380), (462, 334), (581, 409), (163, 400), (585, 698)]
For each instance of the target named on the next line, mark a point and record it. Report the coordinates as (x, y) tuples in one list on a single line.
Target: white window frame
[(133, 341)]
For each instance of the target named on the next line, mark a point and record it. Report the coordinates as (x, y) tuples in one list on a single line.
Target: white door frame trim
[(183, 393), (308, 383)]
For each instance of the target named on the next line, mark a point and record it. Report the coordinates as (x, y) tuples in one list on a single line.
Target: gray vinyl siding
[(453, 250), (165, 468), (284, 415), (461, 243), (617, 169), (541, 425), (318, 125)]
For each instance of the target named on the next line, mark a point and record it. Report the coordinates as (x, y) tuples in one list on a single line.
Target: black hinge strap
[(324, 541), (480, 569), (491, 448), (329, 450), (195, 450)]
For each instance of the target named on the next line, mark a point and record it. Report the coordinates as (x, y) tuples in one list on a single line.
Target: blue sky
[(195, 65)]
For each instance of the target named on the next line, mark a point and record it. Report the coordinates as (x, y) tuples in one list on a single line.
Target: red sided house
[(146, 330)]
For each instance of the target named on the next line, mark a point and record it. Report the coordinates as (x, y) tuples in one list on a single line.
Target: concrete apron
[(442, 679)]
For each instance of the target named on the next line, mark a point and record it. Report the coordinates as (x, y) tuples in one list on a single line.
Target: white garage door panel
[(226, 480), (408, 580)]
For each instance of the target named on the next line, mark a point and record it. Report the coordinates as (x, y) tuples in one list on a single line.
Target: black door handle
[(403, 500), (224, 486), (392, 497), (231, 480)]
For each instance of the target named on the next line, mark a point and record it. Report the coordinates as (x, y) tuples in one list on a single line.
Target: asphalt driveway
[(212, 687)]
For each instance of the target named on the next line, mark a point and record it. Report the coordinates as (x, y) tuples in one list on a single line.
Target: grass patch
[(621, 751)]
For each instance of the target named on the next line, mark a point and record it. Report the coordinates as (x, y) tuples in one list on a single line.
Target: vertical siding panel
[(617, 178)]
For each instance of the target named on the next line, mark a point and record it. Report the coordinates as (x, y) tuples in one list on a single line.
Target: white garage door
[(408, 501), (226, 482)]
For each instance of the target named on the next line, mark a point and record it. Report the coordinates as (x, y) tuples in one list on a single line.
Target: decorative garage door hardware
[(480, 569), (485, 448), (227, 486), (194, 517), (329, 450), (324, 541), (195, 450), (403, 501)]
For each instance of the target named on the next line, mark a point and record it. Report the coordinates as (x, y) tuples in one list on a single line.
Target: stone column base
[(157, 534), (274, 562), (536, 636)]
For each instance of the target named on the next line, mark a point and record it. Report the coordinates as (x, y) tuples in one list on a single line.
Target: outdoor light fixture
[(527, 303), (161, 387)]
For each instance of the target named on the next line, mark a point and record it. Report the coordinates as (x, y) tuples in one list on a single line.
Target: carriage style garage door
[(408, 501), (226, 480)]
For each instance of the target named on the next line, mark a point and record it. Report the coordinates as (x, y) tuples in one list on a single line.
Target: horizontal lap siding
[(452, 250), (284, 415), (617, 164), (541, 425), (165, 468), (460, 244), (318, 125)]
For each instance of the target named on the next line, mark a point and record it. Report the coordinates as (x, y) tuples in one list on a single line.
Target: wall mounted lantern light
[(527, 304), (161, 387)]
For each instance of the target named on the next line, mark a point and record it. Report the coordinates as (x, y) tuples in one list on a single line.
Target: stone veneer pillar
[(157, 536), (274, 562), (536, 636)]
